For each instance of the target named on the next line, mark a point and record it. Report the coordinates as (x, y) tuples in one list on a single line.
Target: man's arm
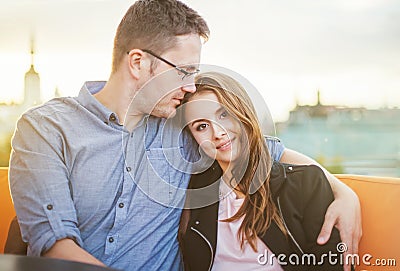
[(67, 249), (39, 185), (344, 212)]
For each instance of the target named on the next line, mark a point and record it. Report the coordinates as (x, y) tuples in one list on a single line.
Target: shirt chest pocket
[(168, 175)]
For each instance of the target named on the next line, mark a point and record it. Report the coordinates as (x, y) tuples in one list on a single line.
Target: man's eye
[(223, 115), (201, 127), (189, 69)]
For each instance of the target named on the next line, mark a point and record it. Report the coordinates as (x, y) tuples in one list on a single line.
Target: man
[(89, 175)]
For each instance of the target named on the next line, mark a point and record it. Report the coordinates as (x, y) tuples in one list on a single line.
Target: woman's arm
[(344, 213)]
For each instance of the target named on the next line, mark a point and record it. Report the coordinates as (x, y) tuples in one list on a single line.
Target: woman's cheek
[(208, 147)]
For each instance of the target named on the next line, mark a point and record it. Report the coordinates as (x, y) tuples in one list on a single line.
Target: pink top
[(228, 255)]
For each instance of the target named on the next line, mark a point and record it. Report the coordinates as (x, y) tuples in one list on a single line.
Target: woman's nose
[(219, 131)]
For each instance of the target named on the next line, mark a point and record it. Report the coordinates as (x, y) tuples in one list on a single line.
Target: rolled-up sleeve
[(275, 147), (39, 185)]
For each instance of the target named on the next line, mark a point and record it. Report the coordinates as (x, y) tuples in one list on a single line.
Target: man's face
[(166, 87)]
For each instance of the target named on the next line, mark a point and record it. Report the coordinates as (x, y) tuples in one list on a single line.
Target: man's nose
[(189, 87)]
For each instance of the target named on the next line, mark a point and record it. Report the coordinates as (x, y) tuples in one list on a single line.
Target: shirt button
[(121, 205), (112, 117), (128, 169), (49, 207), (197, 222), (110, 239)]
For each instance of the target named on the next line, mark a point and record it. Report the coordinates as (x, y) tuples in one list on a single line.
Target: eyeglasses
[(185, 73)]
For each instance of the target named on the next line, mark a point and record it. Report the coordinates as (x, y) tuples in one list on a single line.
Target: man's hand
[(345, 214)]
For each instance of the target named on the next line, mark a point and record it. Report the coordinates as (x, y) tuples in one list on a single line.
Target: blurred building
[(10, 113), (346, 140), (32, 96)]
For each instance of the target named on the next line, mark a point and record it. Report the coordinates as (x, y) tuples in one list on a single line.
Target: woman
[(245, 212)]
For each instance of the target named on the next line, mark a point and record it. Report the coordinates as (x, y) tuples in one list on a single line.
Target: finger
[(350, 248), (356, 241), (326, 229), (346, 267), (347, 239), (347, 261)]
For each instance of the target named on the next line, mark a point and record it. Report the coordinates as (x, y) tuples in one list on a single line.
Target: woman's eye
[(201, 127)]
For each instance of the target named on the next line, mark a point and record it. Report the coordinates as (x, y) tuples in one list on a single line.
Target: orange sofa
[(380, 204), (380, 210), (7, 211)]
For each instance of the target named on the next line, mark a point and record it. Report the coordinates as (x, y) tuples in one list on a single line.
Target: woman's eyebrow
[(197, 120), (217, 111)]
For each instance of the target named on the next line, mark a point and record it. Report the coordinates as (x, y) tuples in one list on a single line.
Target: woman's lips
[(225, 145)]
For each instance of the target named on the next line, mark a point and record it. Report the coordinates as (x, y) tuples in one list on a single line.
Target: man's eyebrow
[(220, 109), (189, 66)]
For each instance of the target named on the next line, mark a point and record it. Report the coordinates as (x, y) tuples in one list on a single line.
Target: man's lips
[(179, 99)]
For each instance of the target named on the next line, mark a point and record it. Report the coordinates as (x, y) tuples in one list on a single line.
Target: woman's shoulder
[(205, 177), (304, 179)]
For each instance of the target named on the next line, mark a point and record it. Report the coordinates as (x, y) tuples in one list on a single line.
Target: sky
[(288, 49)]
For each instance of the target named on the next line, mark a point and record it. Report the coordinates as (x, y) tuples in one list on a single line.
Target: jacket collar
[(276, 181), (213, 174)]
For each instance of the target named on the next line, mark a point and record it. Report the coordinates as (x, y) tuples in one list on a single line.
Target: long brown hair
[(258, 209)]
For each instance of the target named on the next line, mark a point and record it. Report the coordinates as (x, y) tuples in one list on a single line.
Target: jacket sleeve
[(39, 185), (317, 195)]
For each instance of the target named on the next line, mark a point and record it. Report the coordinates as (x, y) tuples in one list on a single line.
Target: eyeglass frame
[(185, 73)]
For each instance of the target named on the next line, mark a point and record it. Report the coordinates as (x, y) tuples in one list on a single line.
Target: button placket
[(111, 244), (120, 207)]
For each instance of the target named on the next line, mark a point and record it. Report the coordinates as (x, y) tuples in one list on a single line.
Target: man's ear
[(136, 62)]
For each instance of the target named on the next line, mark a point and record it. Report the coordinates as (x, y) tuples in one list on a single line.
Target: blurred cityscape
[(10, 112), (346, 140), (343, 139)]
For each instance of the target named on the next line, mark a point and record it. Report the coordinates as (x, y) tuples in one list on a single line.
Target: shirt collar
[(226, 191), (87, 100)]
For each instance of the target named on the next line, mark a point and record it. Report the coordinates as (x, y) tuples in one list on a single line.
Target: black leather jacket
[(302, 195)]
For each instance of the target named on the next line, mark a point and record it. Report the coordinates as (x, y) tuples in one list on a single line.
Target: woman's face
[(215, 130)]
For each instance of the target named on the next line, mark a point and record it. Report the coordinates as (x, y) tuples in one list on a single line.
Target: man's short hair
[(154, 25)]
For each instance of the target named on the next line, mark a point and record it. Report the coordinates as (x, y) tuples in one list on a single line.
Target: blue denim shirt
[(76, 173)]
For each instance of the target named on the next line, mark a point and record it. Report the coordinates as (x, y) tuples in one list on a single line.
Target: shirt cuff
[(48, 239)]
